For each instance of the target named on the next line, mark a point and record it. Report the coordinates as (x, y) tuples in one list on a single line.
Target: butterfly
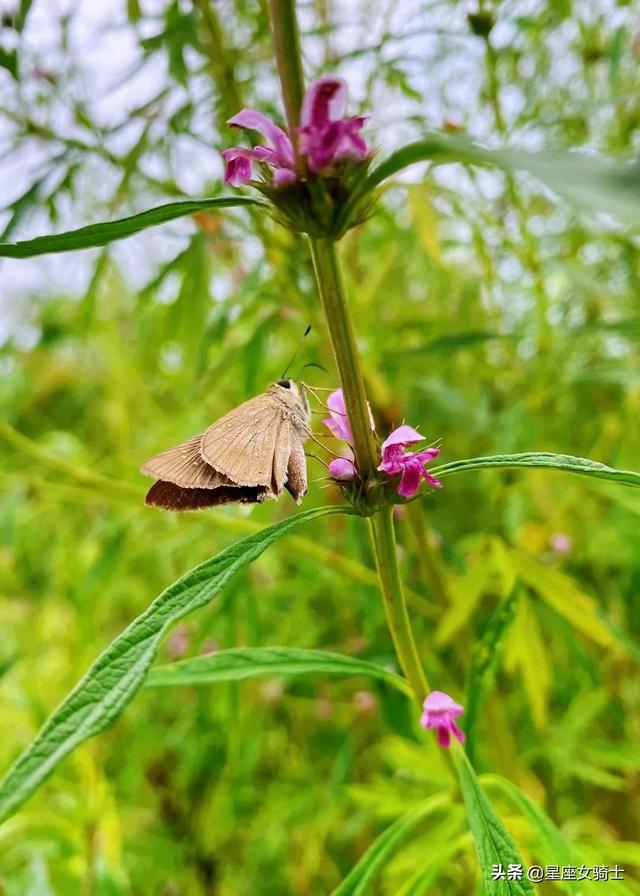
[(246, 457)]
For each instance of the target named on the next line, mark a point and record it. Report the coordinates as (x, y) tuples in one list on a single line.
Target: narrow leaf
[(254, 662), (109, 231), (115, 677), (358, 881), (591, 182), (541, 459), (494, 845)]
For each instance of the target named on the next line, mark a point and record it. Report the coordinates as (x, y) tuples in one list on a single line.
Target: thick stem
[(394, 602), (286, 47), (343, 340)]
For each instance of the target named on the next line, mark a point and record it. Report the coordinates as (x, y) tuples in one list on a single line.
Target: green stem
[(286, 47), (394, 602), (286, 43), (338, 315)]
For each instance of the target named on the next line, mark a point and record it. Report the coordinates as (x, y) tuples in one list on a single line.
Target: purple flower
[(278, 152), (325, 137), (561, 543), (408, 465), (328, 137), (440, 713), (342, 468), (338, 422)]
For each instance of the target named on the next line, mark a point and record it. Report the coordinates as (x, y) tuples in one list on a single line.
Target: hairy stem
[(338, 316), (286, 43), (286, 47), (394, 602)]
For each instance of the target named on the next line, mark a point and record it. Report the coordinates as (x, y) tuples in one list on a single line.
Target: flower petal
[(410, 480), (324, 101), (256, 121), (403, 435), (238, 166), (342, 468), (283, 176)]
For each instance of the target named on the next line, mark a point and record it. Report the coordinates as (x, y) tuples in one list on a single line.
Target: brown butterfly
[(246, 457)]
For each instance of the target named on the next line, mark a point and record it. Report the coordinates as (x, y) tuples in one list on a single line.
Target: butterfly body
[(248, 456)]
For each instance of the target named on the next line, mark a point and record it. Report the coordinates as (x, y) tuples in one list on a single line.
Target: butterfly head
[(292, 395)]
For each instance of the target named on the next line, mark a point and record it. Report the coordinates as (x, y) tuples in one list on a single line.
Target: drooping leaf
[(241, 663), (119, 672), (544, 459), (109, 231), (358, 881), (591, 182), (494, 845)]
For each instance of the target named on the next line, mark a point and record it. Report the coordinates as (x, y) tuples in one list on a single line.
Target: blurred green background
[(489, 316)]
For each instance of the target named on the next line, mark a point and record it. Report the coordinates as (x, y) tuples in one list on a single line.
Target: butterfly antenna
[(295, 354)]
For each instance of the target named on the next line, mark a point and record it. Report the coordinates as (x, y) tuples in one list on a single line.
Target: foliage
[(492, 316)]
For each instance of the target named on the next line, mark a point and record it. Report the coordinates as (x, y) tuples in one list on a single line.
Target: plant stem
[(394, 602), (286, 43), (286, 46), (338, 315)]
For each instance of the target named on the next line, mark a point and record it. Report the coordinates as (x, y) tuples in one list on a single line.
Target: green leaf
[(557, 849), (485, 661), (358, 881), (494, 845), (540, 459), (9, 61), (588, 181), (110, 231), (118, 673), (253, 662)]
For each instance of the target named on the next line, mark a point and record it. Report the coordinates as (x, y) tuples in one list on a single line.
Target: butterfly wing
[(242, 444), (296, 483), (184, 466), (169, 496)]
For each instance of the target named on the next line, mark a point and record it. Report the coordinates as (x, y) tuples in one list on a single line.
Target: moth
[(248, 456)]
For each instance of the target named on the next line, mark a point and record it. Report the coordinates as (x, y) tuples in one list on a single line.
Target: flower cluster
[(395, 460), (440, 713), (325, 136)]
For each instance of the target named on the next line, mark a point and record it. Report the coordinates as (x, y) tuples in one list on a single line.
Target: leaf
[(588, 181), (562, 594), (494, 845), (359, 879), (565, 462), (528, 652), (425, 219), (557, 848), (108, 231), (485, 661), (241, 663), (9, 61), (118, 673)]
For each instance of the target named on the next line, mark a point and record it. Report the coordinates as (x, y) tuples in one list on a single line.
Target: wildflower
[(440, 712), (561, 543), (338, 421), (408, 465), (326, 137), (342, 468)]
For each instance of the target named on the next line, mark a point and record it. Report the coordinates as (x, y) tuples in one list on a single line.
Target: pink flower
[(561, 543), (325, 137), (278, 152), (328, 137), (338, 422), (408, 465), (342, 468), (440, 712)]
